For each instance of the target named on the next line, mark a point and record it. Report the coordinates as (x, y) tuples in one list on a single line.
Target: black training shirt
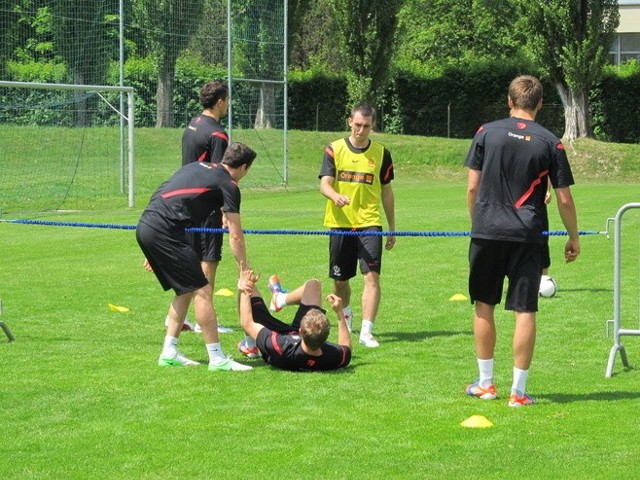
[(516, 158)]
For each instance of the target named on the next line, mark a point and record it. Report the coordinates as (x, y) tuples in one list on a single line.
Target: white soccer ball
[(548, 286)]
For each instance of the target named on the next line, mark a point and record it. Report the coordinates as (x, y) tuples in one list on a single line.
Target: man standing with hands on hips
[(355, 177)]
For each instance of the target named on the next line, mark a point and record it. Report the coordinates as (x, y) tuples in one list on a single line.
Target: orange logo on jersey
[(355, 177)]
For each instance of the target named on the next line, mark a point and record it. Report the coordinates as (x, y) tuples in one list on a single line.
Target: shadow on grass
[(587, 397), (590, 290), (389, 337)]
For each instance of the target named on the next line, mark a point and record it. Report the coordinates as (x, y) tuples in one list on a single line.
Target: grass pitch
[(81, 395)]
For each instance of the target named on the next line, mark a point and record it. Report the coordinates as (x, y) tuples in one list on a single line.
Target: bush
[(615, 104), (456, 100), (317, 101)]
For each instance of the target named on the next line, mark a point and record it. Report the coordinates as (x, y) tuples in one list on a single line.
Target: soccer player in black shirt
[(205, 140), (184, 201), (510, 162), (301, 346)]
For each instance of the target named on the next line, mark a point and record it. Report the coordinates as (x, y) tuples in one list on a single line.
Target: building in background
[(626, 46)]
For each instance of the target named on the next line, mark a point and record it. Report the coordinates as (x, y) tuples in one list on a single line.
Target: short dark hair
[(238, 154), (525, 92), (211, 92), (314, 328), (365, 110)]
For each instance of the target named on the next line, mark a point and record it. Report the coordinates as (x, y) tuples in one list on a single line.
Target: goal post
[(25, 122)]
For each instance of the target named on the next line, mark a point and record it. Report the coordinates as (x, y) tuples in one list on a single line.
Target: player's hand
[(248, 279), (547, 197), (391, 241), (571, 250), (147, 265), (341, 201), (336, 302)]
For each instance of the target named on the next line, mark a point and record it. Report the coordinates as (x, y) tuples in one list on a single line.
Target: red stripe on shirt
[(387, 174), (276, 346), (221, 135), (529, 191), (344, 356), (184, 191), (329, 151)]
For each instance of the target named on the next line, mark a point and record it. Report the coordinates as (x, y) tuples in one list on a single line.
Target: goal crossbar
[(129, 117)]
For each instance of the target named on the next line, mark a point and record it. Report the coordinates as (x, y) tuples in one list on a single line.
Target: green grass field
[(81, 395)]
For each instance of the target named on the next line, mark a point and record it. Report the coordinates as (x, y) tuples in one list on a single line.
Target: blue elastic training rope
[(281, 232)]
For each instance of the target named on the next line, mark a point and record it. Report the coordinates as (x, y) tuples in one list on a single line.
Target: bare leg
[(524, 339), (342, 289), (209, 269), (309, 293), (177, 313), (484, 330), (206, 315), (371, 296), (312, 293)]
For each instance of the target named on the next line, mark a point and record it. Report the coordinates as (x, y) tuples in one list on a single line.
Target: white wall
[(629, 18)]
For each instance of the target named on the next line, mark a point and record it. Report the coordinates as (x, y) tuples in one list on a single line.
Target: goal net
[(257, 67), (62, 147)]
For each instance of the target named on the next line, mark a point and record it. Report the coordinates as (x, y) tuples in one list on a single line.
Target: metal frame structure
[(618, 331), (129, 118)]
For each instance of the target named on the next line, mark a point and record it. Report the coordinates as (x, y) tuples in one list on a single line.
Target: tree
[(259, 50), (310, 46), (169, 25), (80, 32), (570, 40), (452, 30), (368, 32)]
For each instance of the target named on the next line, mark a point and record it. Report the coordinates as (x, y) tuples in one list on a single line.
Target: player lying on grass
[(302, 345)]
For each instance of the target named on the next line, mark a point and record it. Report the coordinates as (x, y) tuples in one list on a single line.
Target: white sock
[(170, 346), (280, 299), (215, 352), (519, 381), (249, 342), (367, 327), (485, 367)]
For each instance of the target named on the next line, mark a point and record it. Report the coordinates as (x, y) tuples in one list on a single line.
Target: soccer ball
[(548, 286)]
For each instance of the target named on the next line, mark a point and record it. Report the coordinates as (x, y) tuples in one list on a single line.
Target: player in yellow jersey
[(355, 178)]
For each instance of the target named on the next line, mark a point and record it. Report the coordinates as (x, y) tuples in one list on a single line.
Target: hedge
[(452, 102)]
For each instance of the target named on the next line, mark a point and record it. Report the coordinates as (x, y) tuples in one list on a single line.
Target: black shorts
[(491, 261), (546, 254), (175, 264), (208, 246), (346, 251), (262, 315)]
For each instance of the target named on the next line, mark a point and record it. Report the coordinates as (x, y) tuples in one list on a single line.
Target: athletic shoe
[(221, 329), (226, 364), (516, 401), (275, 287), (484, 393), (248, 351), (368, 341), (176, 360)]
